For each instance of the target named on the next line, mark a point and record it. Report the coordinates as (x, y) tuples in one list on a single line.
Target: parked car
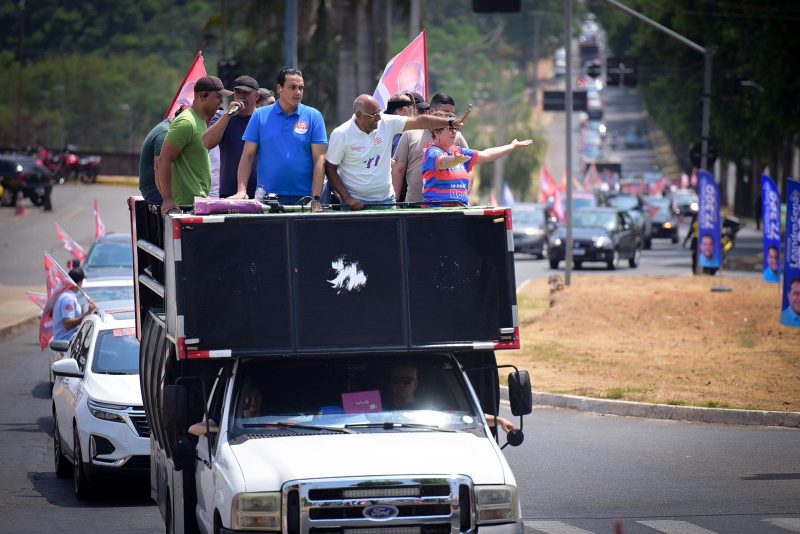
[(530, 229), (639, 212), (21, 172), (110, 256), (100, 423), (664, 218), (685, 201), (599, 235)]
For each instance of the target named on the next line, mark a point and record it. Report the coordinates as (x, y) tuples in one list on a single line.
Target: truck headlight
[(104, 411), (496, 504), (256, 511)]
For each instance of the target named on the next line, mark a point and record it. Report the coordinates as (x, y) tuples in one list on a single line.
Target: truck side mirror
[(59, 345), (175, 423), (520, 395), (515, 437)]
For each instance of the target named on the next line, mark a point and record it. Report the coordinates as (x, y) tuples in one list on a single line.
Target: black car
[(603, 235), (637, 208), (530, 229), (685, 201), (110, 256), (21, 172), (665, 218)]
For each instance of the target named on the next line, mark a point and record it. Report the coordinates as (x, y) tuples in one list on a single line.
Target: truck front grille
[(415, 505)]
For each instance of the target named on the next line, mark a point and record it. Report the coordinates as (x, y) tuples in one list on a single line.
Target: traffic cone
[(20, 210)]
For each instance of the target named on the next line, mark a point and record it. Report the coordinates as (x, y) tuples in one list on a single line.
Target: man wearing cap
[(290, 140), (358, 162), (226, 132), (266, 97), (184, 168), (407, 167), (422, 106)]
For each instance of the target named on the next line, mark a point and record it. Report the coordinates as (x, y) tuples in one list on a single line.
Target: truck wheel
[(62, 466), (80, 482)]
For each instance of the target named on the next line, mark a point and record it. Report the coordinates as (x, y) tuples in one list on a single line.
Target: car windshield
[(624, 202), (595, 219), (528, 217), (685, 198), (662, 206), (116, 352), (109, 293), (365, 394), (110, 254)]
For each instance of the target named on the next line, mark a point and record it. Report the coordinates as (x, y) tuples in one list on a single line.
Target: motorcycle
[(88, 169), (64, 165)]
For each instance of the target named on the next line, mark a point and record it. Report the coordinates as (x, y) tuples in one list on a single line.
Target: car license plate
[(578, 252)]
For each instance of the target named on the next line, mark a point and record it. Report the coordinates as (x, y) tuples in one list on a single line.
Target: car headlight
[(106, 412), (557, 242), (533, 231), (601, 241), (256, 511), (496, 504), (667, 225), (694, 206)]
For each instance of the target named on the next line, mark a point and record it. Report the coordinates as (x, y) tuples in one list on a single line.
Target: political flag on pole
[(185, 94), (790, 316), (57, 281), (99, 226), (70, 244), (710, 247), (771, 204), (38, 298), (405, 72)]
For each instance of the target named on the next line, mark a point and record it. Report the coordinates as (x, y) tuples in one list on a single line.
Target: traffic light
[(612, 71), (630, 72), (227, 70), (496, 6)]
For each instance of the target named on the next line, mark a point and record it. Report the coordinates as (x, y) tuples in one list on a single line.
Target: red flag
[(549, 193), (70, 244), (407, 71), (57, 281), (99, 227), (40, 299), (185, 94)]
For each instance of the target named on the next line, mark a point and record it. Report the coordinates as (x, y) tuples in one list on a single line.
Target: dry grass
[(661, 339)]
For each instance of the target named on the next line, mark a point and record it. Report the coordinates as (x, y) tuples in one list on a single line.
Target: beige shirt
[(411, 150)]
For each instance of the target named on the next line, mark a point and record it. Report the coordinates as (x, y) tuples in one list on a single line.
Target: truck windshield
[(363, 394)]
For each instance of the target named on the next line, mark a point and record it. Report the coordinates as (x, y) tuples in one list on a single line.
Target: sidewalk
[(118, 180)]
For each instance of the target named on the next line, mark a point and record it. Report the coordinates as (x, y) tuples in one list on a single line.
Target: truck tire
[(62, 466), (80, 480)]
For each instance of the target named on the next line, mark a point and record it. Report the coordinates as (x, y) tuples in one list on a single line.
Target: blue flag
[(708, 220), (790, 315), (771, 203)]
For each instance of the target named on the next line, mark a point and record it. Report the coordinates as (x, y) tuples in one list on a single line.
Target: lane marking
[(554, 527), (792, 524), (675, 527), (73, 213)]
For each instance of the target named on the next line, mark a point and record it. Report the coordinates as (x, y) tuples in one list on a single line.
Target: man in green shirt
[(184, 168)]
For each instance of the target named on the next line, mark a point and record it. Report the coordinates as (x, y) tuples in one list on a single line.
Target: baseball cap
[(212, 84), (246, 84), (421, 104)]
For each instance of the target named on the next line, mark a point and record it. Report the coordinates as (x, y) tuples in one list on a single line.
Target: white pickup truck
[(340, 369)]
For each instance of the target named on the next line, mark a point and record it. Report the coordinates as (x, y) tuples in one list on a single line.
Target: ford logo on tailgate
[(381, 512)]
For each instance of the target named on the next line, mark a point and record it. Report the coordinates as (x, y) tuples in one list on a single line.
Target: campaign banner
[(790, 314), (72, 246), (708, 220), (185, 94), (771, 204), (99, 225), (549, 194), (57, 281), (405, 72)]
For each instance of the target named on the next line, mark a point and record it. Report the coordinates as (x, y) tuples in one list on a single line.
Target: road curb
[(12, 329), (118, 180), (664, 411)]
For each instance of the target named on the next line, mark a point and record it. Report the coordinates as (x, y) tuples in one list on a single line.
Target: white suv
[(100, 424)]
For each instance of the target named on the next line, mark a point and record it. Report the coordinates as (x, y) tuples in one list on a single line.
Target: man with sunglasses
[(359, 156), (225, 130), (290, 140)]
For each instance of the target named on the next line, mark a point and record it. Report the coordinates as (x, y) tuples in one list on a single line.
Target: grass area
[(665, 340)]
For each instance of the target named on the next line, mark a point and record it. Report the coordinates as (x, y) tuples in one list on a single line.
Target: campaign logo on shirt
[(301, 127), (357, 148), (378, 140)]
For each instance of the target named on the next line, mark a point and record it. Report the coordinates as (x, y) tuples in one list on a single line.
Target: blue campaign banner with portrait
[(708, 220), (790, 314), (771, 204)]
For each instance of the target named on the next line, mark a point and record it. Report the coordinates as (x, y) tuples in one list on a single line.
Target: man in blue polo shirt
[(290, 141)]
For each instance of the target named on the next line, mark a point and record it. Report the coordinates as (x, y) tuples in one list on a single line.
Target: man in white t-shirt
[(359, 160)]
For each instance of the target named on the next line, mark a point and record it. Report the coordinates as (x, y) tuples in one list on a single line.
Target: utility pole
[(568, 109), (20, 82), (499, 126), (291, 33), (414, 19)]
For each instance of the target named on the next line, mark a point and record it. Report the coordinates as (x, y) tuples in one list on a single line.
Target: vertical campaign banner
[(708, 220), (790, 316), (771, 204)]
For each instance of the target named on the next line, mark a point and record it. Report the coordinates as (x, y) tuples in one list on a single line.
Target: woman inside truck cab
[(253, 401)]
